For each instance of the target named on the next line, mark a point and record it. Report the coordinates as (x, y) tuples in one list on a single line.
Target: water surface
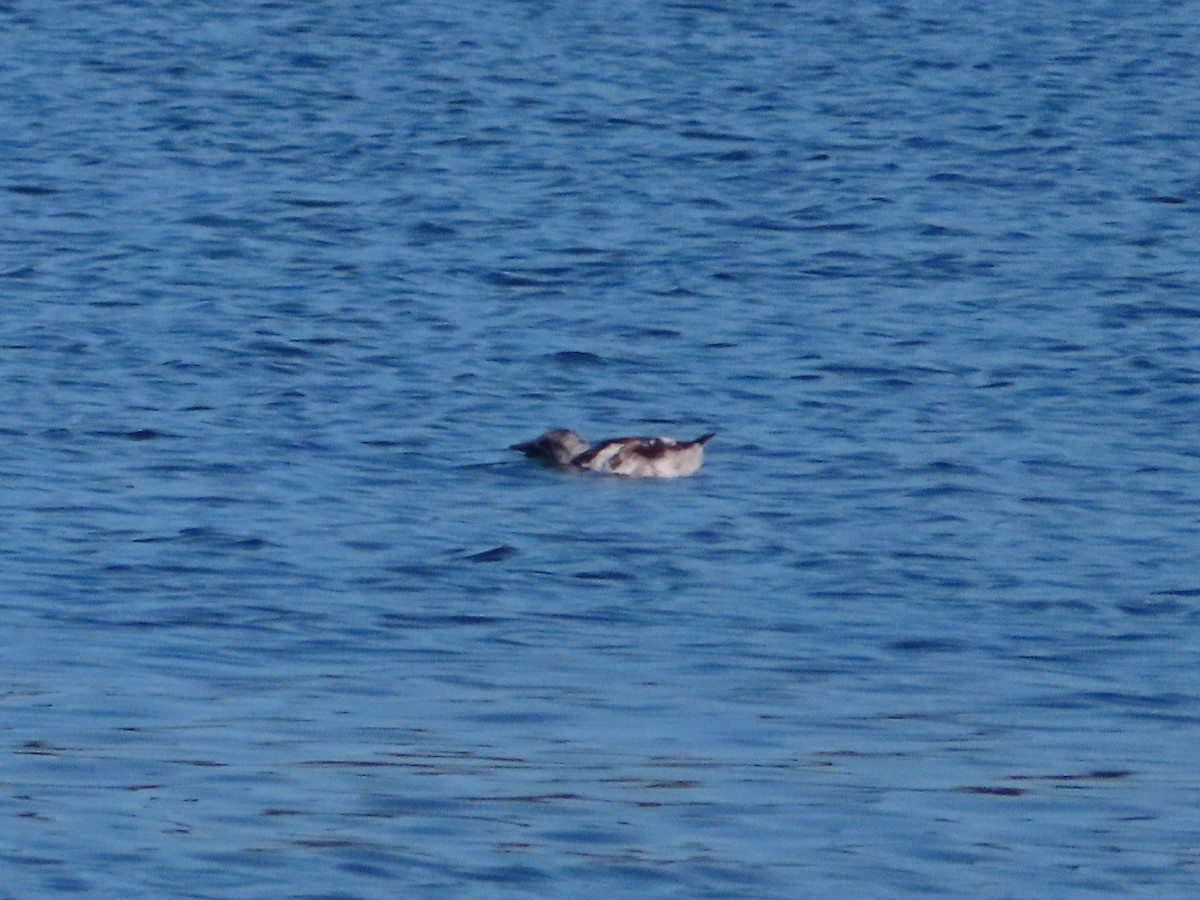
[(284, 617)]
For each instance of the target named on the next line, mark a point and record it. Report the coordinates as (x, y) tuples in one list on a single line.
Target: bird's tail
[(704, 438)]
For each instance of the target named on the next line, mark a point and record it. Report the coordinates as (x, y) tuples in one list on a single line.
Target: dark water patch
[(951, 467), (423, 571), (360, 869), (312, 202), (926, 645), (930, 556), (309, 61), (1128, 313), (715, 536), (367, 546), (735, 156), (326, 341), (1049, 500), (944, 489), (444, 758), (426, 233), (32, 190), (763, 223), (856, 369), (575, 359), (987, 791), (139, 435), (672, 784), (585, 837), (509, 877), (538, 799), (39, 748), (1154, 608), (651, 332), (1053, 346), (1083, 608), (69, 884), (496, 554), (702, 134), (914, 717), (1183, 400), (209, 537), (587, 251), (860, 754), (522, 717), (1093, 775), (203, 617), (604, 615), (421, 621), (282, 349), (219, 222), (943, 231)]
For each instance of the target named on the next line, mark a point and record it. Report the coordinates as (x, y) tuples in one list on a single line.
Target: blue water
[(282, 617)]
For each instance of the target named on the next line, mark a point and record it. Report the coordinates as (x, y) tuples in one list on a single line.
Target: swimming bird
[(629, 457)]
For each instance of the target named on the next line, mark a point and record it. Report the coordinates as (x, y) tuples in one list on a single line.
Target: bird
[(628, 457)]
